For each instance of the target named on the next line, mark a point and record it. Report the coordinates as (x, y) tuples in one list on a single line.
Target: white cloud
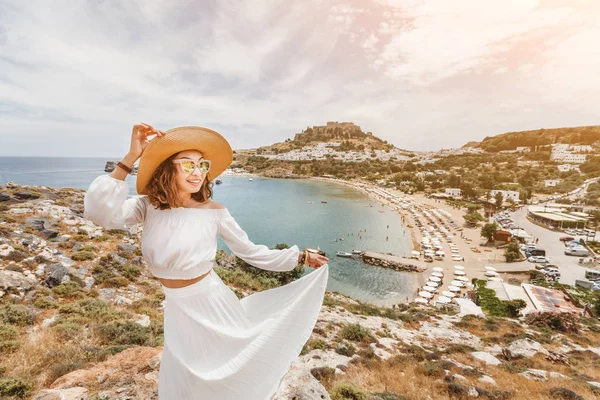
[(420, 74)]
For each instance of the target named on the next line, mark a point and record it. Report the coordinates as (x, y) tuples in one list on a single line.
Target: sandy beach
[(470, 245)]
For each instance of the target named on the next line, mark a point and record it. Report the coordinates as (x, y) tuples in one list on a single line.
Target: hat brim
[(213, 146)]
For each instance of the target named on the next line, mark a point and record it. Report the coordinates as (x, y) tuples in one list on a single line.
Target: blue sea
[(276, 211)]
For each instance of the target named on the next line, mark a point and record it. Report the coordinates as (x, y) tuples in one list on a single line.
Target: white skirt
[(218, 347)]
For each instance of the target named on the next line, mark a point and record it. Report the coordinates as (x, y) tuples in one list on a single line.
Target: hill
[(350, 136), (539, 137)]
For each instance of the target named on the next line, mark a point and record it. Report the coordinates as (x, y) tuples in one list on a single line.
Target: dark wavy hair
[(162, 187)]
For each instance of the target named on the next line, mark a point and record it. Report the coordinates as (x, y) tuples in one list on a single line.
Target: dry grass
[(413, 380), (492, 330)]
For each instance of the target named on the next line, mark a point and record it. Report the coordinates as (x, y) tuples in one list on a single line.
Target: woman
[(216, 346)]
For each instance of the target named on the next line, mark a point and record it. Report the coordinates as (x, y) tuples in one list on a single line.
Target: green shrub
[(17, 315), (92, 309), (83, 255), (130, 272), (433, 369), (69, 289), (356, 333), (347, 391), (123, 333), (562, 322), (345, 349), (319, 344), (88, 247), (45, 302), (14, 387), (492, 305), (9, 338), (117, 281), (17, 255)]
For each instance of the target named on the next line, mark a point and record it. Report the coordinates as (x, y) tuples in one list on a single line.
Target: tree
[(472, 218), (498, 198), (512, 252), (513, 307), (489, 230)]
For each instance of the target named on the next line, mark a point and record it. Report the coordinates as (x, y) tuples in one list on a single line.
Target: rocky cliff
[(81, 318)]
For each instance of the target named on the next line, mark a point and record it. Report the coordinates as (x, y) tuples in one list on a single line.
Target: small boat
[(311, 202), (218, 181), (323, 201), (316, 251), (356, 251), (343, 254)]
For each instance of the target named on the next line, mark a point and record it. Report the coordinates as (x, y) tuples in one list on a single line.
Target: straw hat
[(213, 146)]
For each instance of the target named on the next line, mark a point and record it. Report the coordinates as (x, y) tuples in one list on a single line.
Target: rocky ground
[(81, 318)]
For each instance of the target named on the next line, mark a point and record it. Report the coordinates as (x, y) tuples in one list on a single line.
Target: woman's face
[(192, 182)]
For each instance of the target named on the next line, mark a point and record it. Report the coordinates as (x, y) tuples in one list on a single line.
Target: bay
[(276, 211)]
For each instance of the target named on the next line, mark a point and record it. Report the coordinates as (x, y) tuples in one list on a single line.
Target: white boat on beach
[(343, 254)]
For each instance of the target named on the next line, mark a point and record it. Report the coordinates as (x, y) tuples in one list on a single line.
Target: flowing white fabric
[(217, 347), (220, 348)]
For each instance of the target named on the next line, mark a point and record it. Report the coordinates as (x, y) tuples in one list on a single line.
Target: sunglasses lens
[(204, 166), (187, 166)]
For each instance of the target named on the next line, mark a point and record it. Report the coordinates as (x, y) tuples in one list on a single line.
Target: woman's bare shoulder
[(215, 205)]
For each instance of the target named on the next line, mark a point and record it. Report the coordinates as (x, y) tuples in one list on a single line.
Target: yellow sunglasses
[(188, 166)]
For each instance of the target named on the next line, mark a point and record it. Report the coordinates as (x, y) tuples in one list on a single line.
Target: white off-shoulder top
[(178, 243)]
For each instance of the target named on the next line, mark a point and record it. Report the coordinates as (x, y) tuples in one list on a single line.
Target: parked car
[(578, 251), (566, 238), (537, 259), (592, 275), (553, 272)]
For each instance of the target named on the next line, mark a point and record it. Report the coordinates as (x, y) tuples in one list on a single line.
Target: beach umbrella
[(448, 294), (461, 278), (437, 269), (459, 267), (457, 283), (453, 288), (438, 274), (425, 294), (490, 273), (488, 268), (432, 284), (444, 299), (429, 289), (434, 279), (459, 272), (495, 279), (420, 300)]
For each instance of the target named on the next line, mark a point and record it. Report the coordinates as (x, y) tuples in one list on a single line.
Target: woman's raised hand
[(139, 138), (316, 260)]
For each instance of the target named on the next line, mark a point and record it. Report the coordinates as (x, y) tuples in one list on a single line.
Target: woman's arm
[(259, 256)]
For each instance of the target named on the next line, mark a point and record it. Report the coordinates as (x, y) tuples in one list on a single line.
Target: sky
[(421, 74)]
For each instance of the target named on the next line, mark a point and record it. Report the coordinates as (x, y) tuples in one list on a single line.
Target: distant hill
[(539, 137), (351, 137)]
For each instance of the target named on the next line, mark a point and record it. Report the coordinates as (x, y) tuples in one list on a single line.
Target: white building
[(567, 153), (506, 194), (551, 182), (582, 148), (566, 167), (568, 157), (454, 192)]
